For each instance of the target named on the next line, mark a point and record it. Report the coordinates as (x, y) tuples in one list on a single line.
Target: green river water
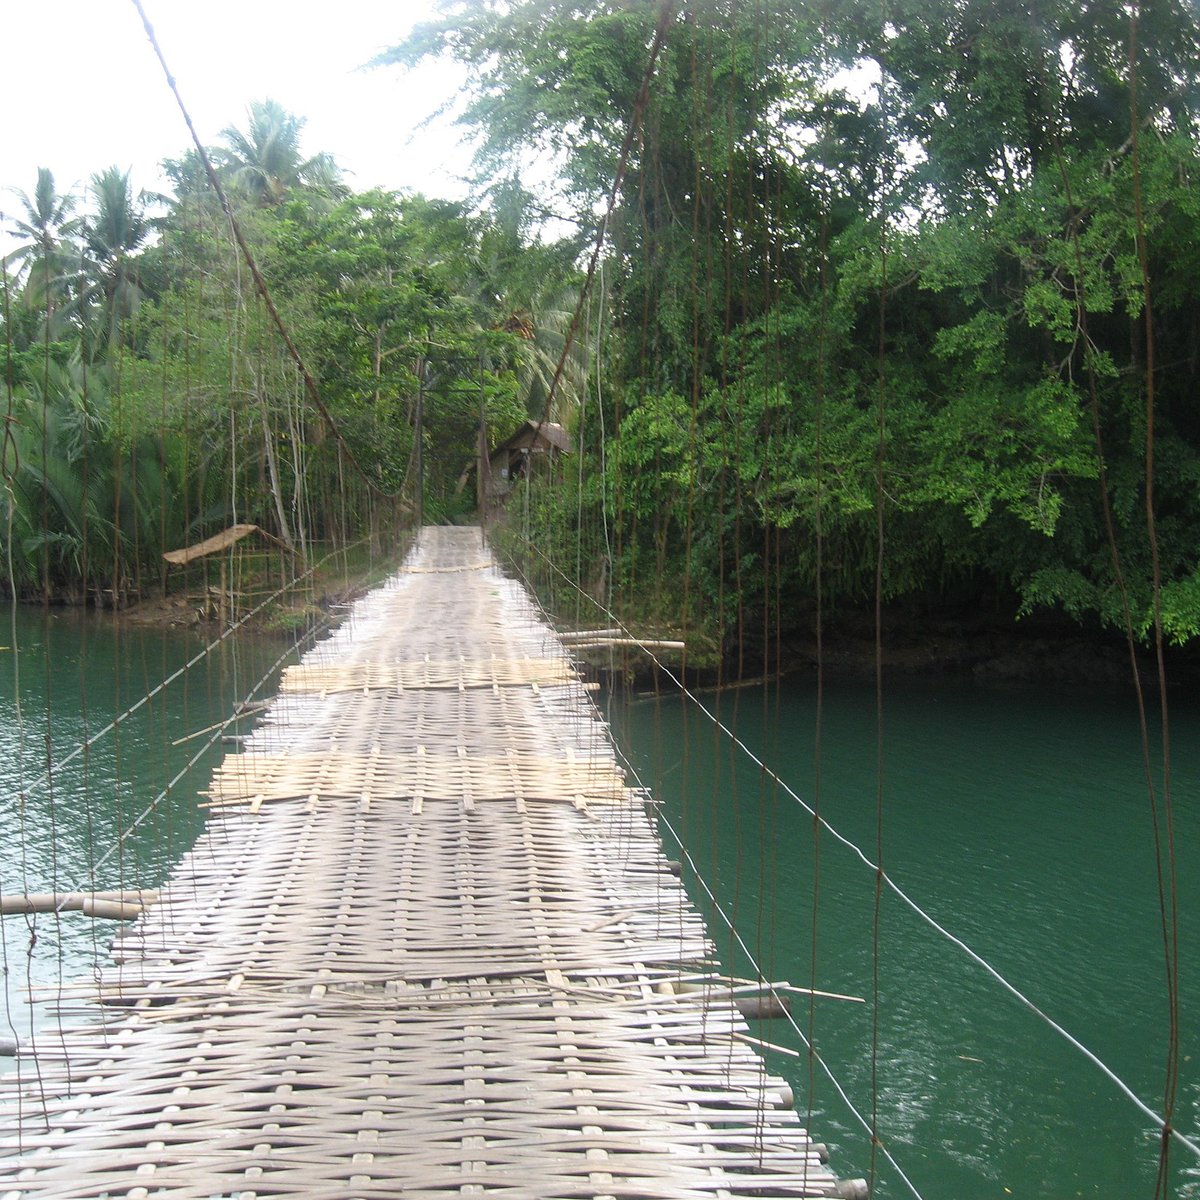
[(103, 818), (1016, 817)]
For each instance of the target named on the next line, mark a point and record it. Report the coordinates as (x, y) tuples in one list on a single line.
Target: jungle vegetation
[(928, 267), (151, 402)]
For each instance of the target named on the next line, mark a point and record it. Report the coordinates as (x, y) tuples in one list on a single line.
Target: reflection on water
[(101, 818), (1019, 820)]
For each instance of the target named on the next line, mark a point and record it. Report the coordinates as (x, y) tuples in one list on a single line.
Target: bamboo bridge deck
[(428, 946)]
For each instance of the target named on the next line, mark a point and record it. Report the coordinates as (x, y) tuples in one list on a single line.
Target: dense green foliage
[(914, 267), (872, 264), (151, 402)]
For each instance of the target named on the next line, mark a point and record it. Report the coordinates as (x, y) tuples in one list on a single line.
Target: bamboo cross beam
[(120, 905)]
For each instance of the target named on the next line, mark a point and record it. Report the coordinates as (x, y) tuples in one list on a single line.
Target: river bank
[(288, 615), (1046, 648), (993, 645), (262, 605), (1040, 649)]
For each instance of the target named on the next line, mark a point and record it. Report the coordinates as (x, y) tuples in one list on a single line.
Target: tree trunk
[(285, 531)]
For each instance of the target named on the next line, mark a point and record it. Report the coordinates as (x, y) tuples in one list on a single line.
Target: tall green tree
[(948, 239), (46, 253), (265, 160)]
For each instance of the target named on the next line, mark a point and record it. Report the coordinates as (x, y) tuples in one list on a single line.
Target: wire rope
[(198, 657), (1190, 1143), (728, 921), (215, 736), (666, 14), (8, 445), (863, 1119), (819, 599), (880, 499), (260, 283)]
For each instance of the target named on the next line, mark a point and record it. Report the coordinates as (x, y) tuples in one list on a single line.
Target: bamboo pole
[(187, 737), (119, 905), (733, 986)]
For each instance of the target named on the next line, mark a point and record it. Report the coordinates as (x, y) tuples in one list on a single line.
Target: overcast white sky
[(83, 91)]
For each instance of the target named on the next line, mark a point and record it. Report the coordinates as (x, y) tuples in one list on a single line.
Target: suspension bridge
[(428, 945)]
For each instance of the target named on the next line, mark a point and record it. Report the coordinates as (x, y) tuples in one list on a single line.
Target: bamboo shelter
[(428, 945), (218, 544)]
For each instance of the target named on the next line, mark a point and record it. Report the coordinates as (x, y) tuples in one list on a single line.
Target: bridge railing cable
[(215, 735), (1160, 1123), (727, 920), (260, 284), (88, 743)]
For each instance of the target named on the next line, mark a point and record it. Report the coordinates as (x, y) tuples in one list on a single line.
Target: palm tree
[(112, 241), (528, 289), (266, 161), (89, 509), (46, 256), (190, 193), (541, 328)]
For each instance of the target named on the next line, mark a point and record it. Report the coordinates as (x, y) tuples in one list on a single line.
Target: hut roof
[(541, 435), (215, 544)]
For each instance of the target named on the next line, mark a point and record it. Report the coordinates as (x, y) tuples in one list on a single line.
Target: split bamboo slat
[(428, 946)]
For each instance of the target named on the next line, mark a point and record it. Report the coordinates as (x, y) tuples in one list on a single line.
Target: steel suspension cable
[(727, 920), (819, 589), (119, 842), (881, 412), (163, 684), (633, 130)]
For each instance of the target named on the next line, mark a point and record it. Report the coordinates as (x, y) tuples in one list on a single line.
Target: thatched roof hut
[(512, 457)]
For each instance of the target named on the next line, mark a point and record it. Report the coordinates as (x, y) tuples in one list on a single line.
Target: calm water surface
[(71, 821), (1017, 818)]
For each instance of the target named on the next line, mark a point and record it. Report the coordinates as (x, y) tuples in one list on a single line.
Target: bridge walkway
[(428, 946)]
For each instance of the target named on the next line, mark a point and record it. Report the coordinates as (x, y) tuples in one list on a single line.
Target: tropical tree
[(88, 508), (46, 254), (529, 288), (266, 162), (119, 230), (928, 296)]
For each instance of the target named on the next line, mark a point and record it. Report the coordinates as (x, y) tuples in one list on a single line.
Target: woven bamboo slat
[(428, 945), (416, 777), (498, 673)]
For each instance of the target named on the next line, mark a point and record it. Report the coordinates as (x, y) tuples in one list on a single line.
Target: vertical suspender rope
[(260, 283), (819, 587), (666, 14), (880, 500), (1164, 836), (7, 468)]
